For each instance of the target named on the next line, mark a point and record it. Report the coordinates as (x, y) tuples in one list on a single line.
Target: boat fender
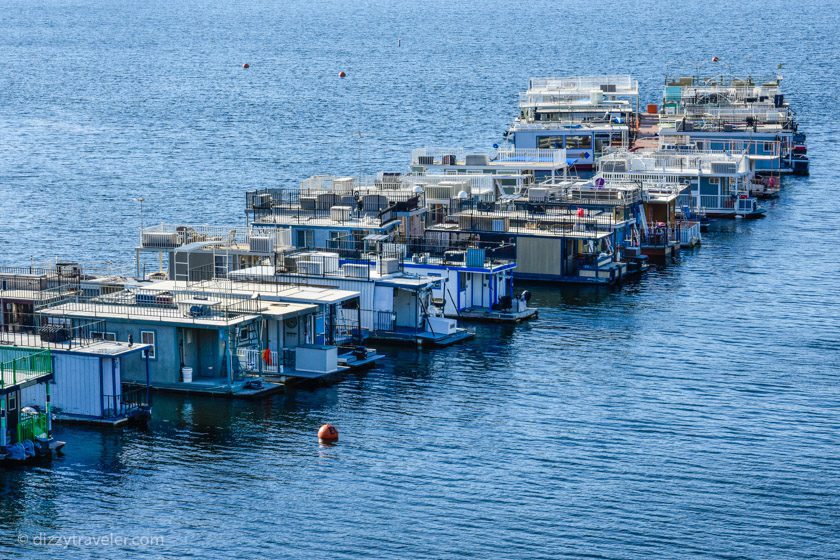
[(15, 452), (28, 448)]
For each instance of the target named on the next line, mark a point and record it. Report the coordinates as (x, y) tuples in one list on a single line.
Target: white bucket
[(186, 373)]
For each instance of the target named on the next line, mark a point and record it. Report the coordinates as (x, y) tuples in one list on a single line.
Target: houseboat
[(478, 280), (585, 115), (25, 431), (717, 183), (736, 114), (195, 337), (393, 305), (87, 360)]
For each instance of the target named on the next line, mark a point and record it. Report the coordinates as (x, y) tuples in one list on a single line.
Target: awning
[(571, 160), (376, 237)]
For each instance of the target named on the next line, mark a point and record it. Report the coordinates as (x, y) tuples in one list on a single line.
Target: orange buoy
[(246, 66), (342, 74), (328, 433)]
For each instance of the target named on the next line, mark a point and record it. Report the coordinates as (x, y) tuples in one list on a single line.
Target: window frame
[(151, 352), (105, 336)]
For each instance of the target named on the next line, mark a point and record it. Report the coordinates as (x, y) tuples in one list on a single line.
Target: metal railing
[(128, 401), (622, 84), (173, 236), (53, 332), (20, 365), (32, 427), (253, 360), (460, 157), (133, 302)]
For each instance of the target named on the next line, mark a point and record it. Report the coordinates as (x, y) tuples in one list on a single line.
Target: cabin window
[(602, 141), (768, 147), (103, 335), (714, 180), (578, 142), (305, 239), (148, 337), (699, 145), (220, 265), (550, 142), (12, 402)]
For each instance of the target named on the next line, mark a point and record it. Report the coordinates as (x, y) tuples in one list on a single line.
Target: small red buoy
[(715, 59), (342, 74), (328, 433), (246, 66)]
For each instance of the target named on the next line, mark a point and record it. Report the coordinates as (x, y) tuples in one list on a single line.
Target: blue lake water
[(695, 412)]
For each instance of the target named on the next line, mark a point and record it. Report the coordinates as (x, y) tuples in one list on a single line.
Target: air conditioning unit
[(356, 270), (614, 167), (344, 184), (55, 333), (307, 203), (537, 194), (724, 167), (325, 201), (340, 213), (374, 202), (160, 239), (388, 266), (477, 159), (329, 261), (315, 268), (68, 269), (261, 244), (260, 200), (454, 256), (426, 160)]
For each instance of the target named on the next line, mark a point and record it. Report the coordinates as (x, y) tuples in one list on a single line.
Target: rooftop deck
[(614, 85), (533, 159), (671, 162)]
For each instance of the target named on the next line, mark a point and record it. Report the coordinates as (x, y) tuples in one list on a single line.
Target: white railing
[(532, 155), (458, 156), (253, 360), (596, 126), (170, 236), (175, 235), (681, 164), (624, 84), (689, 233)]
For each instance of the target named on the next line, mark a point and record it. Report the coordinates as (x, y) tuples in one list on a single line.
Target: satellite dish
[(462, 195), (417, 189)]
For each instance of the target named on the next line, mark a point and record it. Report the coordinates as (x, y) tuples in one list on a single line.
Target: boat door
[(12, 414)]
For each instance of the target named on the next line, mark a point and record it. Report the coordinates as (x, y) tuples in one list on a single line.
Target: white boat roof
[(293, 293)]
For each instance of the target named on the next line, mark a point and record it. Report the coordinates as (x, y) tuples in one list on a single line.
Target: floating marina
[(586, 189)]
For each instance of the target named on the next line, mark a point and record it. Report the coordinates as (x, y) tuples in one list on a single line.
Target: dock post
[(49, 409), (148, 379), (3, 441)]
